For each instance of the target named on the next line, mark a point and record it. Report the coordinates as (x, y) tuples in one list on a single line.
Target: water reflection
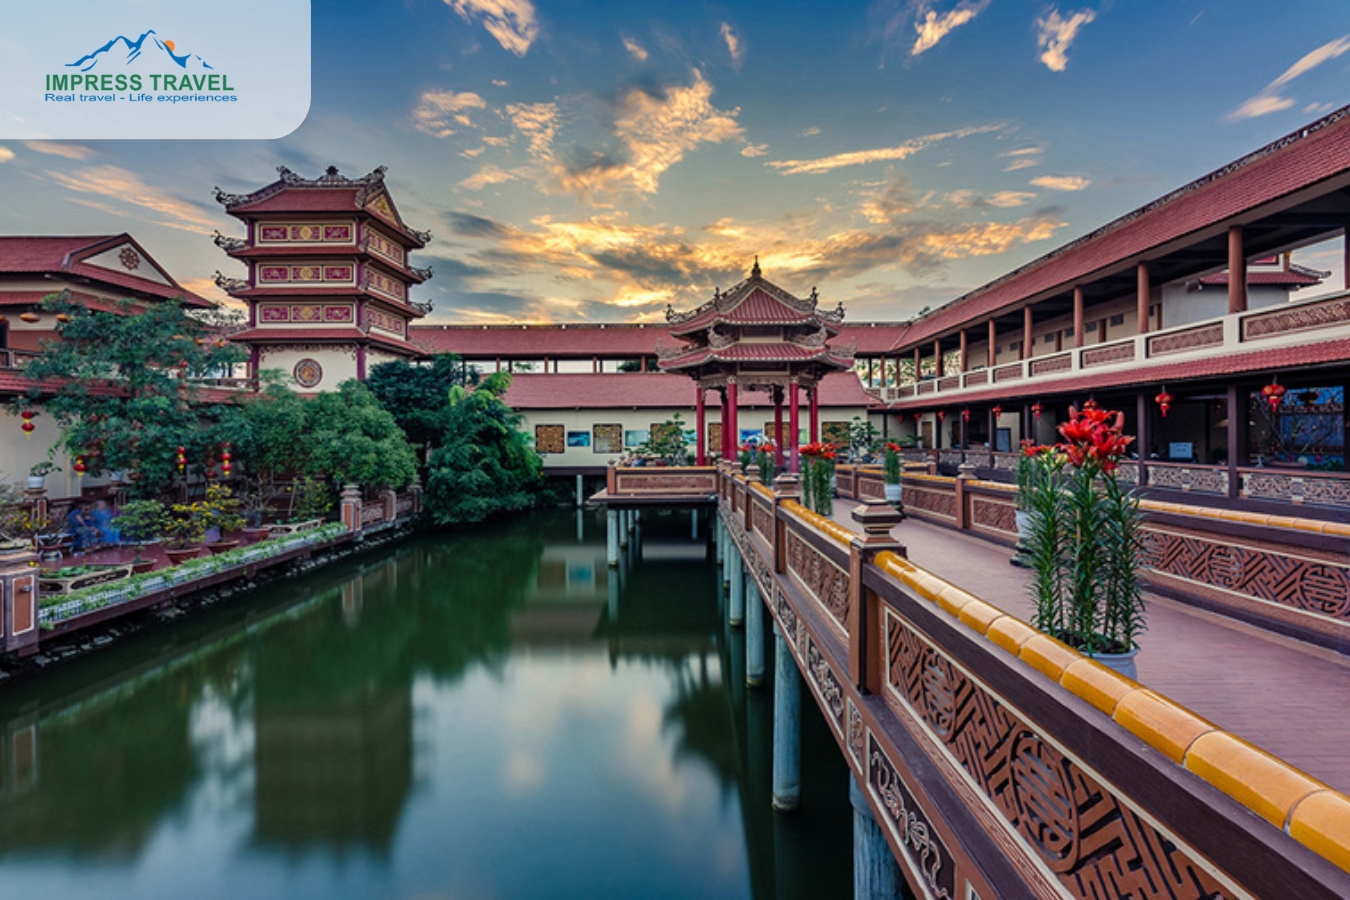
[(494, 714)]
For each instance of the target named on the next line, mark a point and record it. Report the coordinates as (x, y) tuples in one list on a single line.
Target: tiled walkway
[(1289, 698)]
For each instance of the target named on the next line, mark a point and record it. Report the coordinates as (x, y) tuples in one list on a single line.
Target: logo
[(157, 69), (151, 52), (90, 60)]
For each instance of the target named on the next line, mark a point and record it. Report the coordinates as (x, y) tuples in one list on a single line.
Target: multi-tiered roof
[(758, 331), (327, 262)]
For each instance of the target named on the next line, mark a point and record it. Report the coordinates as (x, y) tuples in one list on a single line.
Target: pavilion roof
[(1312, 154), (329, 193), (653, 390), (777, 351), (754, 301), (68, 254)]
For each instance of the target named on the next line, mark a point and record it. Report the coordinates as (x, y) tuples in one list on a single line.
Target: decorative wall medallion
[(307, 373), (131, 260)]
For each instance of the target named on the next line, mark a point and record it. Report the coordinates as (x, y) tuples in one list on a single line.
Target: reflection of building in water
[(338, 774)]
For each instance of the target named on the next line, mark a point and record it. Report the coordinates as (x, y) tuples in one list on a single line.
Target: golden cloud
[(511, 22), (59, 148), (1061, 182), (436, 110), (127, 189), (882, 154), (931, 27), (1269, 101), (1054, 34)]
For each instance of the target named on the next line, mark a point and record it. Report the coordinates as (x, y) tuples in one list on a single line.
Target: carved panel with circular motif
[(307, 373)]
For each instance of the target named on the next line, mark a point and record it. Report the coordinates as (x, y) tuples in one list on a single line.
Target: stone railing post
[(877, 518), (19, 602), (965, 473), (350, 505), (612, 478), (785, 487), (35, 499), (416, 490), (390, 504)]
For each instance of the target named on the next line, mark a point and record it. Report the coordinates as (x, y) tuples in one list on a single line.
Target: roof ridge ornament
[(755, 272)]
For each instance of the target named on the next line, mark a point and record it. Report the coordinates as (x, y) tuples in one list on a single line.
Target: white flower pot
[(893, 493), (1122, 663), (36, 482)]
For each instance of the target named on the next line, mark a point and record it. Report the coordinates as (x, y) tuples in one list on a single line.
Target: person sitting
[(83, 534)]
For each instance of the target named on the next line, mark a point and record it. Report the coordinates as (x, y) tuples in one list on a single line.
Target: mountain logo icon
[(134, 48)]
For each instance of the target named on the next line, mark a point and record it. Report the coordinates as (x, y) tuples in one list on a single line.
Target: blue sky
[(597, 161)]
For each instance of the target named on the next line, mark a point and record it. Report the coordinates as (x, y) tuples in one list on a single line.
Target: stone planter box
[(48, 584), (294, 528)]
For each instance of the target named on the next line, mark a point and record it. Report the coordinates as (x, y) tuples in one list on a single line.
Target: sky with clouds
[(599, 160)]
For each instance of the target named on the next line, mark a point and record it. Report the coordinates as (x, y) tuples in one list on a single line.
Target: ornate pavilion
[(756, 337), (329, 282)]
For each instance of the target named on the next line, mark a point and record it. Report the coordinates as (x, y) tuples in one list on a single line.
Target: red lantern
[(965, 415), (78, 466), (1273, 393), (1090, 404), (182, 459), (30, 317), (918, 416), (225, 457), (1164, 401), (28, 426), (942, 414), (1036, 409), (997, 411)]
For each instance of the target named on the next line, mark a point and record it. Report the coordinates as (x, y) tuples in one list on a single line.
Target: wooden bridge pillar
[(876, 875), (877, 518), (787, 727), (736, 609), (612, 537)]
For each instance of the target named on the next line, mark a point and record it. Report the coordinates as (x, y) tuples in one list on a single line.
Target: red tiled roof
[(1210, 367), (334, 199), (743, 352), (652, 390), (1282, 278), (752, 302), (34, 298), (45, 254), (1304, 158), (324, 335)]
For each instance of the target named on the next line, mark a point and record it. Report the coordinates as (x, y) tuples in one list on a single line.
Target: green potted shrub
[(891, 464), (221, 511), (139, 522), (184, 527), (818, 477), (1085, 540)]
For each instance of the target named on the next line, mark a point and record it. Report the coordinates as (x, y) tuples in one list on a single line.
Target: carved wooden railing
[(1002, 763)]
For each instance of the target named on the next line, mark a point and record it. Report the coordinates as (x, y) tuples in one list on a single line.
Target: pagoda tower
[(329, 282), (756, 337)]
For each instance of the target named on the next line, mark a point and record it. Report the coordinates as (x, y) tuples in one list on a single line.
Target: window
[(1091, 326), (1068, 332), (549, 439), (1048, 339), (1014, 346), (1118, 320), (607, 439)]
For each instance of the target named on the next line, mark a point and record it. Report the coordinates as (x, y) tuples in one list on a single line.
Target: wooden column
[(701, 415), (793, 427), (965, 359), (1237, 271), (778, 421), (725, 418), (1078, 316), (734, 438), (1144, 438), (1142, 294), (1026, 332), (918, 364), (937, 358), (1237, 417), (992, 354), (883, 371), (871, 372)]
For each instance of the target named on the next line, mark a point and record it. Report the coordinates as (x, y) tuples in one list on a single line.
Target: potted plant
[(817, 477), (37, 475), (138, 523), (184, 527), (891, 464), (255, 503), (220, 511), (1027, 472), (311, 500), (767, 459), (1085, 540)]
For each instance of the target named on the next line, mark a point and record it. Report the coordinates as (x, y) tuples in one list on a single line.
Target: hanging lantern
[(1036, 409), (225, 457), (917, 416), (1090, 404), (78, 467), (1164, 401), (1273, 393), (28, 426), (30, 317), (62, 317), (965, 415), (182, 459), (942, 414), (997, 411)]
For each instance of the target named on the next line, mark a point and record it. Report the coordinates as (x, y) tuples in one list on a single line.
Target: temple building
[(106, 272), (1182, 314), (329, 282), (756, 337)]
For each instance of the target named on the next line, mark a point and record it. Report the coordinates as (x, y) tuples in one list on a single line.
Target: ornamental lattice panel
[(550, 438)]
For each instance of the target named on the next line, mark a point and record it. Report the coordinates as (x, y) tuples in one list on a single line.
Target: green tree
[(419, 396), (128, 393), (485, 464)]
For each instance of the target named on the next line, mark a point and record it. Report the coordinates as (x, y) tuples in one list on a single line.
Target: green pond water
[(489, 714)]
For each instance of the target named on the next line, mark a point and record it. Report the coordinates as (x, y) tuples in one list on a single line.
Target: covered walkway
[(1283, 695)]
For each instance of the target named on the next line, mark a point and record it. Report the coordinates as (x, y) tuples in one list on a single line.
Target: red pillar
[(1027, 336), (726, 418), (792, 424), (918, 363), (1142, 291), (733, 417), (815, 414), (991, 356), (778, 425), (937, 358), (1078, 316), (1237, 271), (965, 361), (701, 414)]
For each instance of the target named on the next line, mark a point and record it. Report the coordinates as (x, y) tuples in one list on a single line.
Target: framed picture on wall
[(578, 438)]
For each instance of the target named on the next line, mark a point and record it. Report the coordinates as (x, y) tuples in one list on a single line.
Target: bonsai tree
[(862, 438), (667, 442), (221, 509), (311, 498), (1085, 537), (184, 525), (139, 522), (43, 469)]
